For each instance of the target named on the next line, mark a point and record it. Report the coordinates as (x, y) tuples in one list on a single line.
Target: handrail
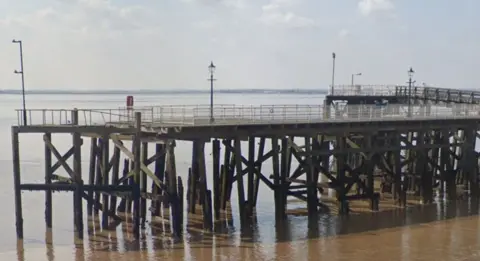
[(363, 90), (244, 114), (424, 92)]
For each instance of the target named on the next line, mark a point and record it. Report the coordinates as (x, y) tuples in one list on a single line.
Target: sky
[(288, 44)]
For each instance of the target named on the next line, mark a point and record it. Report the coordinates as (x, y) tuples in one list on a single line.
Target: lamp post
[(334, 56), (353, 77), (211, 69), (410, 83), (23, 80)]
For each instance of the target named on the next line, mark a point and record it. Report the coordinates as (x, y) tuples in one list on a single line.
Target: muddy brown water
[(443, 231)]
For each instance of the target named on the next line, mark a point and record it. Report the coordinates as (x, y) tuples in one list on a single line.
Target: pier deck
[(368, 94), (158, 119), (418, 148)]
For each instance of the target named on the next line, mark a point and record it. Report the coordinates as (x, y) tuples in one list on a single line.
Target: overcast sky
[(168, 44)]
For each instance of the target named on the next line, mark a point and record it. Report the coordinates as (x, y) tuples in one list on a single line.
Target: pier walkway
[(401, 92), (199, 115)]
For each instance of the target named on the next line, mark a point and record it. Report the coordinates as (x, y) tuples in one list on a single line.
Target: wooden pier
[(432, 149)]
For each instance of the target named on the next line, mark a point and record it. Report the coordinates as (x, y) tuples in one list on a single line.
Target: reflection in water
[(443, 231)]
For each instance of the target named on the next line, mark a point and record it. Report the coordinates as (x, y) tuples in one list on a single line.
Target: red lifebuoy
[(129, 102)]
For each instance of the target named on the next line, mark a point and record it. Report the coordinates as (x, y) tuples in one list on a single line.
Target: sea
[(440, 231)]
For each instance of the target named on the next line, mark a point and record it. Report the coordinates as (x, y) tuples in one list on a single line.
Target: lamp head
[(411, 72), (211, 67)]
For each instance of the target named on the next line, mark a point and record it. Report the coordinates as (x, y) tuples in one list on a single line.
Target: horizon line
[(164, 91)]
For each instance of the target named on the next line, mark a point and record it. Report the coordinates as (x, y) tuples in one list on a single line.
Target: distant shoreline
[(139, 92)]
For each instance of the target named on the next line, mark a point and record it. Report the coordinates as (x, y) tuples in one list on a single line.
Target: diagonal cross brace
[(143, 167)]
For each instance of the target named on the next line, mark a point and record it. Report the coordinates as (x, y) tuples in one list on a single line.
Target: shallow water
[(436, 232)]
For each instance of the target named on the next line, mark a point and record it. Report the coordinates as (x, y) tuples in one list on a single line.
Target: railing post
[(153, 117)]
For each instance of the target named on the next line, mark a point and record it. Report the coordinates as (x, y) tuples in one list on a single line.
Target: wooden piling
[(449, 173), (202, 173), (48, 180), (16, 182), (105, 178), (180, 190), (435, 161), (91, 172), (77, 170), (208, 211), (239, 170), (122, 206), (216, 178), (115, 176), (283, 175), (260, 154), (143, 185), (399, 190), (98, 173), (278, 198), (166, 181), (172, 189), (226, 180), (250, 177), (207, 217), (369, 167), (427, 177), (312, 198), (470, 162), (159, 173), (137, 164), (340, 167), (194, 177), (421, 164)]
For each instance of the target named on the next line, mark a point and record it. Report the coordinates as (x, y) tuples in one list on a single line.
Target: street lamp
[(334, 56), (353, 77), (23, 80), (211, 69), (410, 83)]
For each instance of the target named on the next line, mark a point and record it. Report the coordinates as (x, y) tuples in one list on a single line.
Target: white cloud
[(85, 16), (344, 33), (368, 7), (228, 3), (274, 14), (168, 44)]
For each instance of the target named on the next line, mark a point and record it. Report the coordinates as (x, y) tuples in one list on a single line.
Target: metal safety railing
[(363, 90), (235, 114), (416, 92)]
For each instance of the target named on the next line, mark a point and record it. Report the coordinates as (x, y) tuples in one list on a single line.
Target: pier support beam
[(240, 187), (312, 198), (105, 167), (137, 168), (77, 177), (216, 178), (48, 180), (17, 182), (91, 172), (428, 169), (470, 162), (278, 195)]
